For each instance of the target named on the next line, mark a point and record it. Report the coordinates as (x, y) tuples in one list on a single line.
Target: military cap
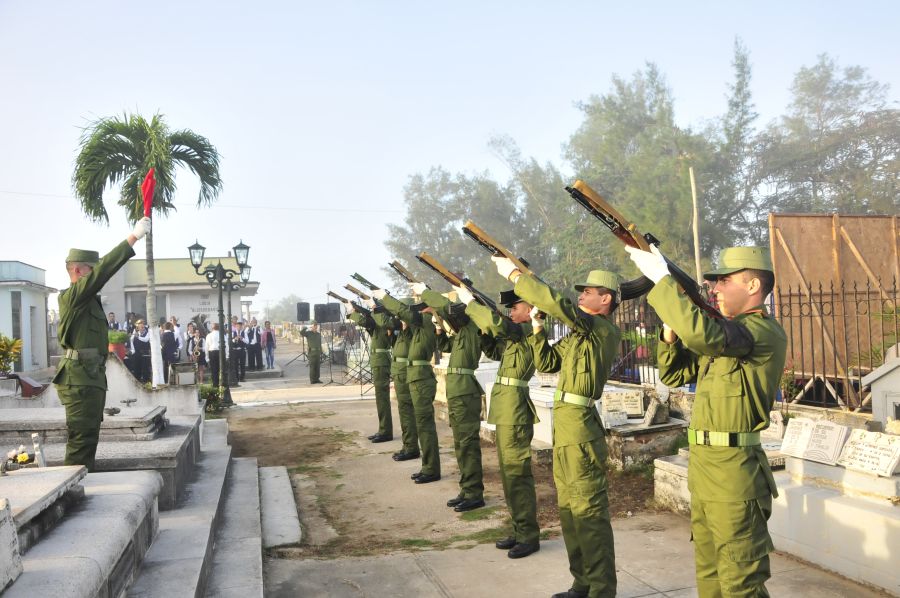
[(83, 255), (735, 259), (600, 278), (509, 298), (311, 322)]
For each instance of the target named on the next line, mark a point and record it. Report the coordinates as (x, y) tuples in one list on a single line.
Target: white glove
[(651, 263), (370, 303), (464, 295), (141, 228), (418, 287), (350, 308), (504, 266), (379, 293), (536, 322)]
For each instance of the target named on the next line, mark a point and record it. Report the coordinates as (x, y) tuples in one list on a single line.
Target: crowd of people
[(197, 345)]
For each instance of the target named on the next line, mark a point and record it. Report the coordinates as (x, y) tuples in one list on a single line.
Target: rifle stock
[(403, 272), (455, 280), (357, 292), (356, 306), (627, 232), (364, 282), (492, 246)]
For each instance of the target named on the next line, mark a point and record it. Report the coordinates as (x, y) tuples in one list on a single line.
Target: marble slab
[(871, 452), (31, 490), (54, 418)]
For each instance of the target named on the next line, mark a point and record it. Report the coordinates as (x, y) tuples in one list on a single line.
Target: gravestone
[(825, 442), (871, 452), (657, 413), (614, 418), (10, 561), (776, 426), (629, 401), (796, 436)]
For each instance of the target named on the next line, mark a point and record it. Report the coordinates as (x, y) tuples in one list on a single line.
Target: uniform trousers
[(731, 547), (314, 361), (514, 457), (465, 422), (84, 413), (381, 379), (579, 471), (422, 392), (410, 434)]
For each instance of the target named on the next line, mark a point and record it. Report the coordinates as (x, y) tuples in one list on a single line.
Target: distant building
[(180, 292), (23, 312)]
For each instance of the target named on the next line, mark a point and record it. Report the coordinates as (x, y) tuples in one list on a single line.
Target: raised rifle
[(357, 292), (404, 273), (628, 234), (364, 281), (363, 310), (492, 246), (455, 280)]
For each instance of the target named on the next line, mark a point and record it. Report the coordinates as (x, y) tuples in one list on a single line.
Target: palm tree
[(120, 151)]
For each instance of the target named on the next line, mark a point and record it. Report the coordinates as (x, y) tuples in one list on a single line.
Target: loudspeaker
[(327, 312), (339, 357), (303, 312)]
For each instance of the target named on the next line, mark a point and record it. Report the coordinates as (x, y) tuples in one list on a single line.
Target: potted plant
[(117, 340), (10, 348)]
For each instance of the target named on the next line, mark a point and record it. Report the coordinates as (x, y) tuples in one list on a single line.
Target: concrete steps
[(280, 520), (179, 561), (237, 558), (100, 544)]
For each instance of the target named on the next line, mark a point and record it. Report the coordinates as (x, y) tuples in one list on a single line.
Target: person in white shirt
[(212, 353), (179, 336)]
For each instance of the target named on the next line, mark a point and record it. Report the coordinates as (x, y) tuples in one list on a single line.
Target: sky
[(322, 111)]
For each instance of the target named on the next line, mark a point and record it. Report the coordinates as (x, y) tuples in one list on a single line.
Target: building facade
[(23, 312)]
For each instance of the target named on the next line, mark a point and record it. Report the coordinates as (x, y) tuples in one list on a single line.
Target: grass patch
[(479, 514), (680, 442), (640, 469), (417, 543)]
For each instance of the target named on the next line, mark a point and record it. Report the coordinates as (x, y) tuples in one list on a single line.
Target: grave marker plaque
[(631, 402), (796, 436), (871, 452), (825, 442)]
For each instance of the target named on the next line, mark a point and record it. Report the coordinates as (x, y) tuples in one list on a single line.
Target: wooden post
[(696, 226)]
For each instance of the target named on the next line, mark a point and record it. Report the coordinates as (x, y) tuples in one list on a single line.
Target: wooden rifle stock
[(364, 282), (492, 246), (455, 280), (363, 310), (357, 292), (403, 272), (627, 232)]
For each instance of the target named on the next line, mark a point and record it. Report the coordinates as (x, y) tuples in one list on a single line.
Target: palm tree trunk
[(156, 361)]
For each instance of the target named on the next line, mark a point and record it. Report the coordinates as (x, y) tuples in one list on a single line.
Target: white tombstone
[(796, 436), (885, 383), (826, 440), (629, 401), (871, 452)]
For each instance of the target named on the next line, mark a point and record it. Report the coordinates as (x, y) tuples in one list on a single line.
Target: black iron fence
[(836, 335)]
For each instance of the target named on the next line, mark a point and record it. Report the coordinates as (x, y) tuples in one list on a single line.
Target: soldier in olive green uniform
[(421, 381), (377, 323), (400, 351), (583, 359), (463, 395), (737, 363), (512, 412), (313, 350), (81, 377)]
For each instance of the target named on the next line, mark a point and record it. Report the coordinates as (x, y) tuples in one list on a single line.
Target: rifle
[(455, 280), (363, 310), (627, 232), (403, 272), (364, 282), (357, 292), (492, 246), (487, 242)]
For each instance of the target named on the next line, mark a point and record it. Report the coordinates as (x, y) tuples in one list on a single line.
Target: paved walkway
[(654, 556)]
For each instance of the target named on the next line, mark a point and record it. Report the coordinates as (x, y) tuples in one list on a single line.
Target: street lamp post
[(220, 278), (231, 285)]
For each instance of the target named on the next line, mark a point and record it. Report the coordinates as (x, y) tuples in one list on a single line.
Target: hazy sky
[(322, 110)]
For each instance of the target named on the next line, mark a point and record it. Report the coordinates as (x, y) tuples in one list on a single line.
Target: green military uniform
[(81, 377), (463, 392), (313, 353), (737, 364), (410, 436), (420, 379), (377, 325), (513, 414), (583, 359)]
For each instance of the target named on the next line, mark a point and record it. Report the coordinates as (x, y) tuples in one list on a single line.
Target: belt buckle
[(707, 441)]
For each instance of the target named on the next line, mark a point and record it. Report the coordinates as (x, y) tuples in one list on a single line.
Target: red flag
[(147, 188)]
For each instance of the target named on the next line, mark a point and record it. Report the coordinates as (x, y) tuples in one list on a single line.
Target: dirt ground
[(354, 500)]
